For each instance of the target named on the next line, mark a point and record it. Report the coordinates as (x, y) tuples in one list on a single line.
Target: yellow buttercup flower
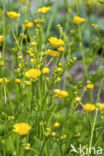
[(52, 53), (1, 39), (100, 106), (45, 71), (33, 73), (44, 10), (90, 86), (55, 42), (78, 20), (31, 54), (21, 128), (56, 124), (29, 24), (60, 93), (13, 15), (89, 107)]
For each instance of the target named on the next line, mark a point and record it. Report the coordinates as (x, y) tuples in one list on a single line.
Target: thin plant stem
[(95, 116)]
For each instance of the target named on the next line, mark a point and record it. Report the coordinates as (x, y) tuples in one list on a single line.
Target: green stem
[(95, 116), (51, 20), (4, 33), (82, 52), (78, 7), (15, 36), (40, 92), (42, 147)]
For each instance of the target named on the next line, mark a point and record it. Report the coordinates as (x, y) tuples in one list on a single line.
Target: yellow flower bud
[(59, 69), (77, 99), (100, 106), (56, 124), (53, 134), (17, 81), (44, 10), (63, 137), (90, 86), (29, 24), (61, 49), (45, 71)]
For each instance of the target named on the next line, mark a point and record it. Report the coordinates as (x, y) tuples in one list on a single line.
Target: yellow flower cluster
[(60, 93), (33, 73), (13, 15), (44, 10), (21, 128), (1, 39), (89, 107), (52, 53), (78, 20), (55, 42)]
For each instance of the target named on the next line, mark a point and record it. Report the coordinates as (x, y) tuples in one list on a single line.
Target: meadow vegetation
[(43, 110)]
